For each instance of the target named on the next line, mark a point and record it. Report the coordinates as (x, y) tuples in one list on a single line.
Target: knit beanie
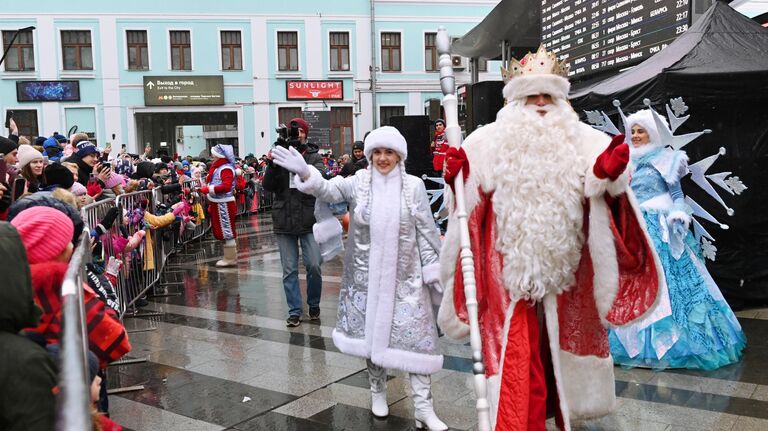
[(386, 137), (59, 175), (302, 123), (26, 154), (45, 232), (114, 179), (85, 148), (6, 145)]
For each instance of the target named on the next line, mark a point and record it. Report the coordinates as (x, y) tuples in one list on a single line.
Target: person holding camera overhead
[(293, 214)]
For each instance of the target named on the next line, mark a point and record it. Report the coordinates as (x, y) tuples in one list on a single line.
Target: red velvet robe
[(525, 359)]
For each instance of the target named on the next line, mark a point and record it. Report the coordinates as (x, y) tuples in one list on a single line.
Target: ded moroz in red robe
[(567, 368)]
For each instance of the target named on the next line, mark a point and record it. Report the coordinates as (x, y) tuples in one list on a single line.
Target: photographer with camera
[(293, 214)]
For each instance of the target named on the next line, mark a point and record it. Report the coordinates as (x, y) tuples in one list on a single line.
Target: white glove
[(291, 160), (436, 286)]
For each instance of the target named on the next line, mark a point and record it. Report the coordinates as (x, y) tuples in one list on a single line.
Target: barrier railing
[(74, 404)]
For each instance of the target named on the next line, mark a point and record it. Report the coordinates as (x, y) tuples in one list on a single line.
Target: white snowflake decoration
[(735, 184), (708, 249), (678, 106)]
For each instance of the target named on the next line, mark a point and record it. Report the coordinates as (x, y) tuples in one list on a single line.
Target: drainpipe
[(374, 112)]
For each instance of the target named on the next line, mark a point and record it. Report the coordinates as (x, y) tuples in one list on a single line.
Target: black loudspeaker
[(415, 129), (484, 100), (435, 110)]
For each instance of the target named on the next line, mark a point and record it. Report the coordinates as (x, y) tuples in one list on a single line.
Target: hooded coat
[(27, 372)]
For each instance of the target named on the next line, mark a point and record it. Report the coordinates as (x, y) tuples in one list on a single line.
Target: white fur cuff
[(447, 319), (681, 216), (326, 230), (312, 183), (594, 186), (590, 394)]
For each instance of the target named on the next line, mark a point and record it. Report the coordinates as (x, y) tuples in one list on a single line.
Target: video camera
[(288, 136)]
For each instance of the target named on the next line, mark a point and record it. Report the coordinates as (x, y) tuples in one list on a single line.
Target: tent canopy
[(516, 21), (721, 54)]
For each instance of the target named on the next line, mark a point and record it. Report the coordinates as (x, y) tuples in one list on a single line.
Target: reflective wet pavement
[(220, 357)]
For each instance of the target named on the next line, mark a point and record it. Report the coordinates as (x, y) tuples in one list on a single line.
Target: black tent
[(720, 68)]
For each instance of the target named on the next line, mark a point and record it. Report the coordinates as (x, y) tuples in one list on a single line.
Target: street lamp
[(13, 39)]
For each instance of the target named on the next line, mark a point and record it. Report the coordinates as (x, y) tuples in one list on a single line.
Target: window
[(287, 50), (390, 52), (138, 50), (339, 50), (21, 56), (285, 115), (482, 65), (181, 50), (341, 130), (26, 120), (76, 48), (430, 52), (387, 112), (231, 51)]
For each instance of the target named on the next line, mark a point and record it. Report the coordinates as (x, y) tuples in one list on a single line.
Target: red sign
[(314, 90)]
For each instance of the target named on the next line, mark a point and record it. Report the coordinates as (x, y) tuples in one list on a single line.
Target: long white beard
[(538, 199)]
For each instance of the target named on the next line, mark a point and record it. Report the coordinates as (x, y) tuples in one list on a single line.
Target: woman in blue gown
[(692, 325)]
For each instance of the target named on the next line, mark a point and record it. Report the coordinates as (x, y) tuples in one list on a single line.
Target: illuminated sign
[(598, 35), (183, 90), (48, 91), (314, 90)]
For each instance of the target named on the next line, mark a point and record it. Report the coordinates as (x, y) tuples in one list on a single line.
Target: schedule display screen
[(599, 35)]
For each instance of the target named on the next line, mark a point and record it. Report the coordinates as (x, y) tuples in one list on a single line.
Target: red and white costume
[(559, 255)]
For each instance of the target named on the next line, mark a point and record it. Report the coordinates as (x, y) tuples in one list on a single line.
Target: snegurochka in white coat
[(391, 270)]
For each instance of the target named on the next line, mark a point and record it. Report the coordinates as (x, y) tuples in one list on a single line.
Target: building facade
[(153, 72)]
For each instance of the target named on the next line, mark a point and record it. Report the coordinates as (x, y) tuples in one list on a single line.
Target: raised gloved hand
[(291, 160), (455, 160), (613, 161), (93, 189)]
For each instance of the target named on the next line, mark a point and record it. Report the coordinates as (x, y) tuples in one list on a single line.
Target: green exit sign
[(183, 90)]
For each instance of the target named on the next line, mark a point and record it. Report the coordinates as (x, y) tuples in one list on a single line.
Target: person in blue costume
[(692, 326)]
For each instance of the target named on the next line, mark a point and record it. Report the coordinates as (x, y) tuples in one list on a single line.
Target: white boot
[(422, 404), (230, 254), (377, 377)]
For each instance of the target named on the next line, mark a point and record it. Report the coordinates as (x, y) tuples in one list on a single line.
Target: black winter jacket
[(27, 372), (293, 212)]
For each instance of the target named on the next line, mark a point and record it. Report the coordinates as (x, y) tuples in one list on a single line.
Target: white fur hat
[(26, 154), (386, 137), (644, 119), (520, 87)]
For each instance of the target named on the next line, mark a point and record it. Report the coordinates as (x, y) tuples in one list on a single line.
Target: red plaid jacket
[(107, 337)]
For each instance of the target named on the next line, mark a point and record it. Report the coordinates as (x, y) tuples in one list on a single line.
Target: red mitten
[(204, 190), (93, 189), (455, 160), (613, 161)]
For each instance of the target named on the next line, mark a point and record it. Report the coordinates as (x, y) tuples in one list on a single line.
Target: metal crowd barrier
[(74, 405), (265, 198)]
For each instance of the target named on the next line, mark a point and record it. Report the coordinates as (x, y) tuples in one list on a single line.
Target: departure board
[(599, 35)]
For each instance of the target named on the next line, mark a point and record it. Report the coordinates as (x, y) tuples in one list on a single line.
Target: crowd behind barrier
[(141, 270)]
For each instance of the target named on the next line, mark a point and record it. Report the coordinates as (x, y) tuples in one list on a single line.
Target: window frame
[(278, 47), (331, 47), (350, 125), (17, 46), (435, 54), (404, 108), (127, 50), (25, 109), (92, 46), (170, 50), (399, 47), (231, 48), (288, 106)]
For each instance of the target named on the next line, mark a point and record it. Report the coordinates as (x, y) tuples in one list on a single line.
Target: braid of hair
[(404, 181), (362, 212)]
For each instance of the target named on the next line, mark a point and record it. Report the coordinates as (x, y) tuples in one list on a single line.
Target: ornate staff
[(453, 133)]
